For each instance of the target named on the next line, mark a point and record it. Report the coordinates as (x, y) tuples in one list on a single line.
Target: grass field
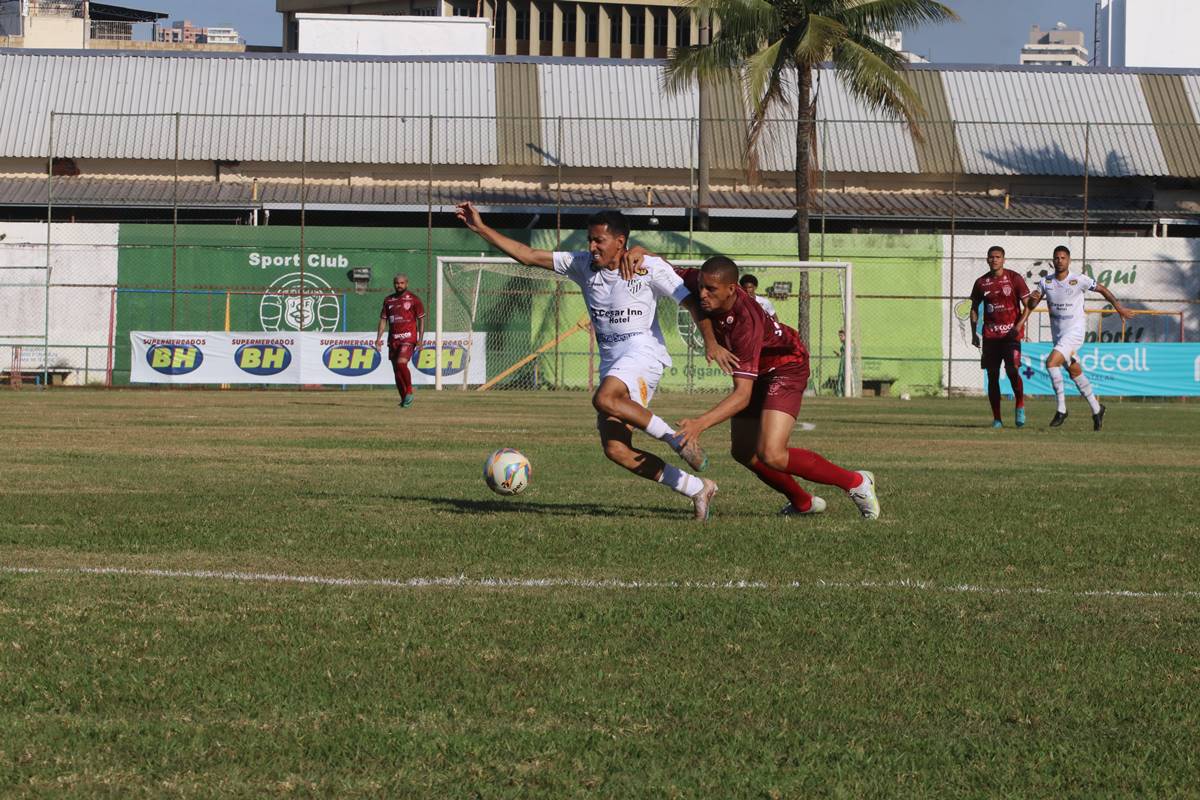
[(1024, 620)]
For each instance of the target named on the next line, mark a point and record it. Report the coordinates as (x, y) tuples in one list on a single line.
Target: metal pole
[(824, 183), (175, 224), (558, 189), (1087, 130), (692, 187), (429, 222), (49, 228), (439, 308), (86, 25), (953, 237), (303, 204)]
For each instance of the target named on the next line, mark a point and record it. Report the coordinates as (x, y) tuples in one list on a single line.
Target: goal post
[(532, 326)]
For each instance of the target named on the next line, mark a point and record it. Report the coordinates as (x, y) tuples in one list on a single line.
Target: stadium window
[(522, 21), (660, 26), (501, 24), (424, 12), (683, 29), (591, 25), (568, 23), (637, 26), (464, 11), (614, 25), (546, 23)]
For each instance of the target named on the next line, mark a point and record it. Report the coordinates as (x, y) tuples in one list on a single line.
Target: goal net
[(537, 333)]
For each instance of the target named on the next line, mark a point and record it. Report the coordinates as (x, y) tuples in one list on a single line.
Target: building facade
[(1060, 47)]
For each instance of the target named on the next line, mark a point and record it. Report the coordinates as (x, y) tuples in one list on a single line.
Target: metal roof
[(610, 114), (1032, 123)]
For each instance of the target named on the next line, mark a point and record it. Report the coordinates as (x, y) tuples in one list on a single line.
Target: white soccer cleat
[(703, 499), (864, 497), (818, 505)]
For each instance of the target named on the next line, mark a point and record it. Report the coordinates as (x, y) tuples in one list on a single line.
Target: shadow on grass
[(907, 423), (521, 505)]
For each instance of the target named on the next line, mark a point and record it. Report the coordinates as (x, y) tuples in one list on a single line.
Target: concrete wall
[(1149, 33)]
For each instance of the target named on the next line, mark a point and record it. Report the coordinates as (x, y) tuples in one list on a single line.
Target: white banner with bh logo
[(305, 357)]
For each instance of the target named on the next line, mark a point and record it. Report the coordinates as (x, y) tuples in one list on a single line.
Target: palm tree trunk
[(804, 131)]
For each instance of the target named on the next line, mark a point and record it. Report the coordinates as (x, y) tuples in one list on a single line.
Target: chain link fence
[(257, 223)]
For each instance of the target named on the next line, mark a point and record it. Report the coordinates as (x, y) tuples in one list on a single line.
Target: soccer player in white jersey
[(749, 284), (1064, 293), (632, 351)]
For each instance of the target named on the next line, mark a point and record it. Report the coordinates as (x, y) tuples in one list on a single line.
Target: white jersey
[(1064, 299), (766, 305), (624, 313)]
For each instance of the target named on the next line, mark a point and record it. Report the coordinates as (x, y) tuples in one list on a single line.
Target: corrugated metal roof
[(1032, 123), (1174, 122), (407, 91)]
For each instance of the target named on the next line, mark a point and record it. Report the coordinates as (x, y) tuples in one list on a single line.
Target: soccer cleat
[(703, 499), (997, 423), (1021, 417), (864, 497), (1098, 419), (818, 505), (1059, 418), (692, 453), (407, 401)]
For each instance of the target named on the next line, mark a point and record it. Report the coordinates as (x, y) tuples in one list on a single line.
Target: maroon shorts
[(401, 351), (997, 352), (780, 390)]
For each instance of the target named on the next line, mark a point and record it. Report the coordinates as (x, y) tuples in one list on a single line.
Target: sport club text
[(314, 260)]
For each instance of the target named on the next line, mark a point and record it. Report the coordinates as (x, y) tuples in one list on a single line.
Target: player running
[(768, 387), (632, 351), (1064, 299), (403, 319), (1002, 293)]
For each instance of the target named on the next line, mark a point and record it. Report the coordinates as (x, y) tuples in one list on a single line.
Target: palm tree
[(772, 46)]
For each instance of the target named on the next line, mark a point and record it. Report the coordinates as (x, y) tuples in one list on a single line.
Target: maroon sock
[(1018, 387), (403, 379), (812, 467), (993, 389), (784, 484)]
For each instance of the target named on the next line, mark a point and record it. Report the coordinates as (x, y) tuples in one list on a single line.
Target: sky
[(990, 32)]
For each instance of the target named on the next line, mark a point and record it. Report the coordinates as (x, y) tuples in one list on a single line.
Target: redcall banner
[(299, 358)]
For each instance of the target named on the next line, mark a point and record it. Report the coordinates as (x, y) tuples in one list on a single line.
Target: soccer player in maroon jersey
[(768, 387), (403, 319), (1002, 293)]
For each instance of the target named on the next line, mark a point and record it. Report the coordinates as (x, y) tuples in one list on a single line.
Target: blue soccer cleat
[(997, 423), (1021, 417)]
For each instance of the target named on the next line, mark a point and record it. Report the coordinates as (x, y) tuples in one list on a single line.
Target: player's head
[(1062, 257), (995, 256), (608, 233), (718, 284), (749, 283), (400, 282)]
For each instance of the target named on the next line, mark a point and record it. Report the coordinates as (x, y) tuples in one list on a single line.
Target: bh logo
[(454, 359), (262, 359), (351, 360), (174, 359)]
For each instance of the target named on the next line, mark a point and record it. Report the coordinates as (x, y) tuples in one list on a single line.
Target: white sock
[(1085, 389), (658, 427), (682, 482), (1057, 381)]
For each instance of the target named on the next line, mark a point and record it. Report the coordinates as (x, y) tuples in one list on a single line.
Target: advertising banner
[(304, 357), (1116, 370)]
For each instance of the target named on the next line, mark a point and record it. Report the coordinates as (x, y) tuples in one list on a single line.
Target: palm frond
[(821, 35), (877, 83), (890, 15)]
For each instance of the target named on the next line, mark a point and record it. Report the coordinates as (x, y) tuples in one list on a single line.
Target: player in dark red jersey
[(768, 387), (1002, 293), (403, 319)]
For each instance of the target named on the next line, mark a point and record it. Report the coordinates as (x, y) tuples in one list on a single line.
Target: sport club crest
[(299, 302)]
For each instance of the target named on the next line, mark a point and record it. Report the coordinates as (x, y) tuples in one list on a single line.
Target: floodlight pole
[(437, 337)]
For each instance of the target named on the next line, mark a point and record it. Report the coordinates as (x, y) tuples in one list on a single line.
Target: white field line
[(462, 581)]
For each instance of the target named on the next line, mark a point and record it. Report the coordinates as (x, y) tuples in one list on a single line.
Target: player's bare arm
[(518, 251), (383, 326), (730, 405), (975, 323), (1125, 313)]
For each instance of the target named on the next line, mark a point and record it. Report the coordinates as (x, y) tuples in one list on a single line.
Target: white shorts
[(1068, 344), (639, 374)]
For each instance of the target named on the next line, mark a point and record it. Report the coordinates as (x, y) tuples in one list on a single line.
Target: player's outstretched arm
[(1111, 298), (518, 251), (731, 404), (383, 325)]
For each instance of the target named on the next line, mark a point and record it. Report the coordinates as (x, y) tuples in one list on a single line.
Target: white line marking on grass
[(462, 581)]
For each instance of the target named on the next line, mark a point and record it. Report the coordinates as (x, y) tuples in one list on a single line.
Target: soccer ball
[(506, 471)]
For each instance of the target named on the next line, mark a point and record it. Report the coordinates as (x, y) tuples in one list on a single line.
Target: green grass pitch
[(1024, 620)]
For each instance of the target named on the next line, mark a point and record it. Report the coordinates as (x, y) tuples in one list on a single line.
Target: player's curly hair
[(617, 224)]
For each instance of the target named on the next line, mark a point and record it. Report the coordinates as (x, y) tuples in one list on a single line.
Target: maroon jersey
[(1001, 298), (402, 310), (760, 344)]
